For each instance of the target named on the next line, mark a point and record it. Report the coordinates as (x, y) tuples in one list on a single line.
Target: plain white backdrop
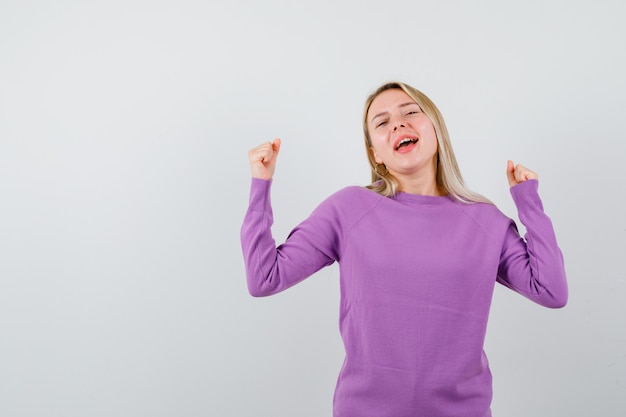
[(124, 130)]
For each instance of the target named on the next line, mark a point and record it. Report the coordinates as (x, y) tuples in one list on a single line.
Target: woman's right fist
[(263, 159)]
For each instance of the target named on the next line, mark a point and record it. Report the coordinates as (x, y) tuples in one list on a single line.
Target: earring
[(383, 173)]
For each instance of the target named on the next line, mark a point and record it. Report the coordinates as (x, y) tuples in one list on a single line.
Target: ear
[(375, 155)]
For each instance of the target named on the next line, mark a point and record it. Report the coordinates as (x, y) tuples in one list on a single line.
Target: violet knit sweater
[(417, 275)]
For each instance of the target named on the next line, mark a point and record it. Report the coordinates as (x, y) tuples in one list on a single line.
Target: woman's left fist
[(517, 174)]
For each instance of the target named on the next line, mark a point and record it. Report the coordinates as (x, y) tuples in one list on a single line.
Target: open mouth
[(406, 142)]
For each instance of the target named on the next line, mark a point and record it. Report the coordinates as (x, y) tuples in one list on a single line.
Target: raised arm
[(533, 265), (271, 269)]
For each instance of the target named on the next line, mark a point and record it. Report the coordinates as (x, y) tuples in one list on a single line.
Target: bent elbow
[(261, 289), (559, 302), (555, 304), (257, 292)]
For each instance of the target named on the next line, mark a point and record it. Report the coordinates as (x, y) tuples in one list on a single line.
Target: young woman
[(419, 255)]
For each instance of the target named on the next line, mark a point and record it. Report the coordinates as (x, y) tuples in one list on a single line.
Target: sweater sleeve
[(533, 265), (271, 269)]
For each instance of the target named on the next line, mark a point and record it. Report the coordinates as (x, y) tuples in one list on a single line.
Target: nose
[(398, 125)]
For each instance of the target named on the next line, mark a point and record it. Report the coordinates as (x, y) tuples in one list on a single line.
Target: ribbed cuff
[(526, 195), (260, 194)]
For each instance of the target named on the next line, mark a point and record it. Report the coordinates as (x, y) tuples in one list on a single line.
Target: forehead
[(389, 100)]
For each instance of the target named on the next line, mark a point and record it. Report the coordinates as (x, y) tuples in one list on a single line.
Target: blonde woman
[(419, 255)]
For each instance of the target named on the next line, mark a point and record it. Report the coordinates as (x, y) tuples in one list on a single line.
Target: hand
[(263, 159), (517, 174)]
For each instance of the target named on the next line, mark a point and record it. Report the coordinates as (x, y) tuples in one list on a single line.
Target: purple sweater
[(417, 274)]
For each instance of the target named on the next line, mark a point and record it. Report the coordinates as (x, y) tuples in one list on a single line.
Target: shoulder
[(483, 212), (355, 193), (487, 218), (353, 196), (349, 203)]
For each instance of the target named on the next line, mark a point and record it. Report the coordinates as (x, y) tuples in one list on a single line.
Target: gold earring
[(381, 174)]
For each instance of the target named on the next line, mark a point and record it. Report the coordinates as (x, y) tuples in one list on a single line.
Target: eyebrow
[(400, 106)]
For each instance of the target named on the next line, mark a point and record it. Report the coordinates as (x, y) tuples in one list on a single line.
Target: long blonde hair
[(448, 177)]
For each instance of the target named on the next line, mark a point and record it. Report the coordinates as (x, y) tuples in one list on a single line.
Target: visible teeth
[(405, 141)]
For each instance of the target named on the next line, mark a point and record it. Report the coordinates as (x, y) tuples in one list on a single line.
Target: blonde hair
[(448, 176)]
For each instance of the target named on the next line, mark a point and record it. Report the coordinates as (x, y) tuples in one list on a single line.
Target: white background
[(124, 130)]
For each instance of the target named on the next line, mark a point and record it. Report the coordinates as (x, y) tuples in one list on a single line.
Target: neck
[(419, 186), (423, 182)]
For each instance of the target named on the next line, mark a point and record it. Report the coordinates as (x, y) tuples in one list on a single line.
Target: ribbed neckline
[(418, 199)]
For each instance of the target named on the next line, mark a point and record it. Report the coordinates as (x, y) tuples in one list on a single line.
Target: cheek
[(425, 125), (378, 140)]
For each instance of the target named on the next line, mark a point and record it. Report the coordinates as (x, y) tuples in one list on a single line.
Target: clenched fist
[(517, 174), (263, 159)]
